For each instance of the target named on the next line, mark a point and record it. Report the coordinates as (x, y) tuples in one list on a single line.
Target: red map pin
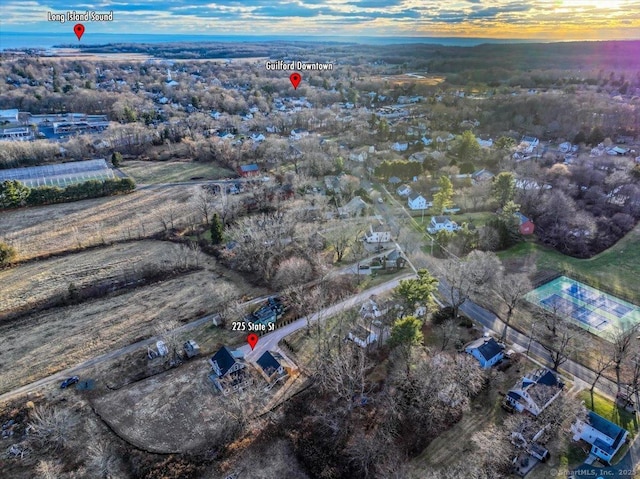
[(252, 339), (295, 78), (78, 29)]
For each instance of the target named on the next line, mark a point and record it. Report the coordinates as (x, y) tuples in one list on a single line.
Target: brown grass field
[(41, 344), (147, 412), (44, 230), (33, 282), (411, 78)]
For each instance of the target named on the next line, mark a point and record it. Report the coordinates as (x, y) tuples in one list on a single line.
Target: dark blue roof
[(247, 168), (490, 349), (268, 363), (548, 379), (224, 359), (606, 427)]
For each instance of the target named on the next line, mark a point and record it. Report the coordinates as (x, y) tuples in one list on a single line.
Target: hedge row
[(15, 195)]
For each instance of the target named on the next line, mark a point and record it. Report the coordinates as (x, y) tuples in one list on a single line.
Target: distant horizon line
[(305, 35)]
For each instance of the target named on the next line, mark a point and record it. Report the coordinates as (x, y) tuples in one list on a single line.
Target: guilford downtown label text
[(86, 16), (297, 66)]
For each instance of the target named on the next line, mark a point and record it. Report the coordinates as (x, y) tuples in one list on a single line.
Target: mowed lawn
[(154, 172), (608, 410), (617, 268)]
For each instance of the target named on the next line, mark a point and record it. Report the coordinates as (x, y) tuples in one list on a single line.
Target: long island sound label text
[(86, 16)]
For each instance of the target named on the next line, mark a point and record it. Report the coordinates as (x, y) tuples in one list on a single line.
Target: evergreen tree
[(116, 159), (216, 230), (503, 188)]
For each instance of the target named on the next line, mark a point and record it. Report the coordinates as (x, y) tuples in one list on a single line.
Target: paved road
[(269, 342)]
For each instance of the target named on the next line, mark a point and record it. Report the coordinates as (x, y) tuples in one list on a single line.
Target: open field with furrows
[(44, 230), (36, 282), (41, 344), (152, 172)]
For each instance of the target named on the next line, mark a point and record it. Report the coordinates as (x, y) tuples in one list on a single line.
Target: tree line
[(14, 194)]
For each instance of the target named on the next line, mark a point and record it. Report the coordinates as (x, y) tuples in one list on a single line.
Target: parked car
[(364, 266), (69, 381), (380, 199)]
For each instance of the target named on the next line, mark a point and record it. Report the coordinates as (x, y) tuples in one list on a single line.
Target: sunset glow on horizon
[(550, 20)]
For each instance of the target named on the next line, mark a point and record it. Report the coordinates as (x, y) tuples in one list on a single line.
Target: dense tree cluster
[(14, 194)]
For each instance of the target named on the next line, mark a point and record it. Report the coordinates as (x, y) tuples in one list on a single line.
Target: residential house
[(534, 392), (258, 137), (418, 157), (442, 223), (403, 190), (228, 370), (298, 134), (418, 202), (526, 226), (369, 309), (359, 155), (247, 171), (426, 141), (273, 366), (354, 207), (268, 313), (394, 259), (377, 234), (617, 151), (528, 144), (486, 350), (605, 437), (564, 147), (485, 143), (400, 146), (362, 336), (480, 176), (332, 183)]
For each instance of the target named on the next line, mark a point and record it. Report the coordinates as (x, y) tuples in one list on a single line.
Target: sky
[(527, 19)]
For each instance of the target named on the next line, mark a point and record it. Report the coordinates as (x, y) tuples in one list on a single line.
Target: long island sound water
[(48, 40)]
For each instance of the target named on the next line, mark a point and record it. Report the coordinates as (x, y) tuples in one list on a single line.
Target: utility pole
[(531, 337)]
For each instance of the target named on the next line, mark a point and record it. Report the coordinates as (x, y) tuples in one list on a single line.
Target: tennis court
[(588, 307), (61, 175)]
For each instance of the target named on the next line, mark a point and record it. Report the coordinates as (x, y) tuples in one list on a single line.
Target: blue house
[(486, 350), (605, 437)]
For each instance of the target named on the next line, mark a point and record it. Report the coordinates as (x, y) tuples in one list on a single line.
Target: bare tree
[(510, 289), (167, 331), (49, 470), (102, 458), (602, 363), (622, 340), (52, 426), (448, 331), (340, 242), (341, 372), (562, 346)]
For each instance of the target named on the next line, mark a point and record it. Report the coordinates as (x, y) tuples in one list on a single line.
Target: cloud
[(486, 18)]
